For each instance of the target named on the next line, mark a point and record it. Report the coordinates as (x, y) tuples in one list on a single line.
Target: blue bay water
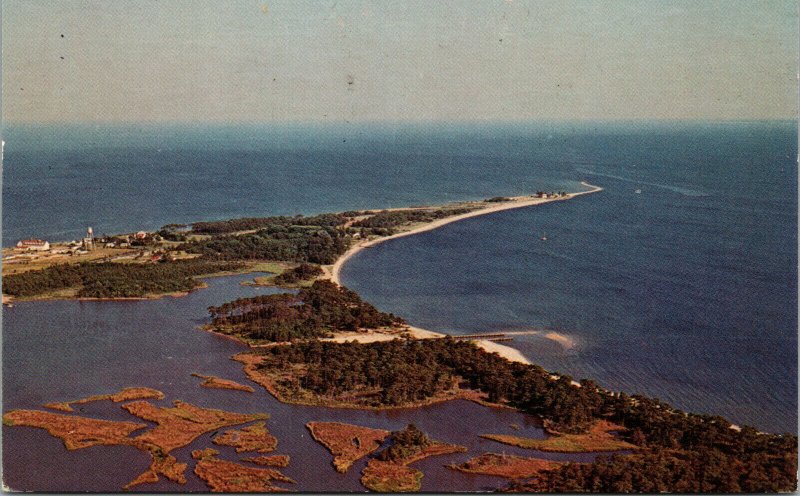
[(686, 291)]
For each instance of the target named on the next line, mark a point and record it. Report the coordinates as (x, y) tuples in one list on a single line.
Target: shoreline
[(509, 353), (515, 202)]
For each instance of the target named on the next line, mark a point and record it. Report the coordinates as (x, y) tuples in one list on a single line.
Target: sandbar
[(333, 272)]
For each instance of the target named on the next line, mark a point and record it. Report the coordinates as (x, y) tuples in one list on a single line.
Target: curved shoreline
[(514, 203), (507, 352)]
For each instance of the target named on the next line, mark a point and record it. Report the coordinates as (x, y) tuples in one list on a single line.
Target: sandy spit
[(515, 202), (506, 352)]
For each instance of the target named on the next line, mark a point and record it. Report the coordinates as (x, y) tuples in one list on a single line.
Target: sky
[(332, 61)]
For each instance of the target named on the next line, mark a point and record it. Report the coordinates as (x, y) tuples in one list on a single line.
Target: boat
[(638, 192)]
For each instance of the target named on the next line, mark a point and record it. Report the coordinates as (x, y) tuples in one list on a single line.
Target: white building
[(33, 245)]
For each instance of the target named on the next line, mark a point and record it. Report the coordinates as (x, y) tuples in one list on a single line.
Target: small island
[(269, 461), (507, 466), (347, 443), (213, 382), (389, 471), (127, 394), (223, 476)]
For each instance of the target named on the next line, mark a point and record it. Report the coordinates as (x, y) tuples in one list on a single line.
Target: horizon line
[(251, 122)]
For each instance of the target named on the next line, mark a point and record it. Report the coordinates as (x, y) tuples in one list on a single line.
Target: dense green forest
[(303, 272), (313, 312), (292, 243), (389, 219), (404, 443), (114, 280), (255, 223), (766, 468), (677, 448)]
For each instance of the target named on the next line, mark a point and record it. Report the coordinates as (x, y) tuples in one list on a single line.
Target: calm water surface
[(686, 290), (65, 350)]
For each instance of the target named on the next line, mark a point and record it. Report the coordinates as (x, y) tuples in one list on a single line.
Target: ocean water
[(59, 180), (686, 291)]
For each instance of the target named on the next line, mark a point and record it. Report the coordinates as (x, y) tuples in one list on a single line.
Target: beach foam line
[(514, 203), (566, 341)]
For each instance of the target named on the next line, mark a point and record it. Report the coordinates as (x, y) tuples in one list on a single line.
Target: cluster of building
[(550, 194), (85, 245)]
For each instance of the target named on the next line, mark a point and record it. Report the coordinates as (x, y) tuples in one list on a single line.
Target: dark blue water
[(686, 291), (57, 181)]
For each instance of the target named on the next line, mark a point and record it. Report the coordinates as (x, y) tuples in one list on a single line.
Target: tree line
[(114, 280), (303, 272), (251, 223), (389, 219)]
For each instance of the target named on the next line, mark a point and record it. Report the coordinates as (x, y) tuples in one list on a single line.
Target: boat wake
[(675, 189)]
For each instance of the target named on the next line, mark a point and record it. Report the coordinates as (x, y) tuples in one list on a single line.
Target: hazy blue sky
[(263, 60)]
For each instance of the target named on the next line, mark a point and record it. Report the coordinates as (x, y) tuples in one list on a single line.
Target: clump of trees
[(313, 312), (173, 232), (404, 444), (497, 199), (114, 280), (303, 272)]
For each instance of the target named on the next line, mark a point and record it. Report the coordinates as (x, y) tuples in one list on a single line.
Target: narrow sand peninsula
[(514, 202), (506, 352), (374, 336)]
